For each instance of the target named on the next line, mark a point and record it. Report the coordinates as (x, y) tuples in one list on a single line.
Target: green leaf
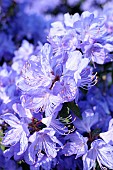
[(64, 111), (74, 108), (1, 136), (2, 147)]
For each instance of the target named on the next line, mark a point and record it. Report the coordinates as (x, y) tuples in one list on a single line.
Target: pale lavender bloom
[(76, 61), (63, 44), (22, 55), (43, 162), (18, 134), (78, 65), (38, 79), (75, 74), (58, 29), (77, 145), (43, 101), (38, 71), (88, 120), (85, 79), (24, 114), (62, 36), (80, 32), (37, 82), (48, 81), (90, 27), (69, 20), (53, 122), (100, 151), (97, 52), (108, 135), (91, 31), (42, 141), (66, 88)]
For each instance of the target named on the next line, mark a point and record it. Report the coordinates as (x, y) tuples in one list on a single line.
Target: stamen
[(88, 82), (70, 131), (64, 120), (101, 166)]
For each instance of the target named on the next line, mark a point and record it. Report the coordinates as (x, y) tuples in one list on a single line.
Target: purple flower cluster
[(56, 94), (48, 79)]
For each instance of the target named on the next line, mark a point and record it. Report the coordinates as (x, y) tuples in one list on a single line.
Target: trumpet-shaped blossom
[(88, 120), (48, 82), (43, 145), (45, 101), (38, 71), (86, 32), (93, 28), (77, 145), (18, 134), (100, 151)]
